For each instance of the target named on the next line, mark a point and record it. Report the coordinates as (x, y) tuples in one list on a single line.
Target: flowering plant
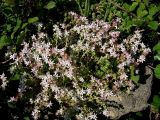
[(84, 63)]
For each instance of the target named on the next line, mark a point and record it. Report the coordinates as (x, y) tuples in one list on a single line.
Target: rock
[(123, 103)]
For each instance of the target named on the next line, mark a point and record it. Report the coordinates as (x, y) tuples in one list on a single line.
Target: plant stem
[(79, 6), (5, 61), (87, 7)]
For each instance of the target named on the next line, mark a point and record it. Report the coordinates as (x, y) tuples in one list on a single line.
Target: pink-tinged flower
[(122, 47), (143, 45), (12, 99), (141, 59), (114, 34), (106, 27), (118, 83), (41, 35), (121, 65), (13, 56), (69, 73), (123, 76), (146, 51)]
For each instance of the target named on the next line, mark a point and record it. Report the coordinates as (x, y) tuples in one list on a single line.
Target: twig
[(5, 61), (150, 67)]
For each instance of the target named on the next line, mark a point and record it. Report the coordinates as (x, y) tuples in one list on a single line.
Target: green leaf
[(33, 20), (11, 105), (142, 13), (21, 37), (153, 9), (138, 1), (129, 24), (157, 57), (50, 5), (157, 71), (149, 17), (156, 48), (146, 2), (9, 27), (18, 25), (139, 114), (7, 11), (10, 2), (26, 118), (16, 76), (133, 6), (137, 22), (142, 6), (133, 77), (4, 41), (156, 101), (126, 6), (153, 25), (24, 25)]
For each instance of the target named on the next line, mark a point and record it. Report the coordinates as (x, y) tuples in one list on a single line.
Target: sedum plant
[(79, 67)]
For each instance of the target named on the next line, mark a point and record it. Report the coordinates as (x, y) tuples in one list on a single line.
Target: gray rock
[(133, 102)]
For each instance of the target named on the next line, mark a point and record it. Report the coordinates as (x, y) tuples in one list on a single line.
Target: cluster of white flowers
[(58, 74)]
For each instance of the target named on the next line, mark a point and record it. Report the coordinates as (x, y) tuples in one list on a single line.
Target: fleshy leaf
[(50, 5), (156, 48), (33, 20), (156, 101), (157, 71), (153, 25)]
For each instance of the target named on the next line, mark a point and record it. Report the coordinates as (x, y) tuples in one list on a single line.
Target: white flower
[(146, 51), (80, 116), (31, 101), (12, 99), (40, 25), (33, 37), (69, 73), (122, 47), (105, 112), (35, 113), (41, 35), (141, 59), (49, 104), (92, 116), (81, 79), (114, 34), (12, 68), (60, 111), (4, 81), (121, 65), (13, 56)]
